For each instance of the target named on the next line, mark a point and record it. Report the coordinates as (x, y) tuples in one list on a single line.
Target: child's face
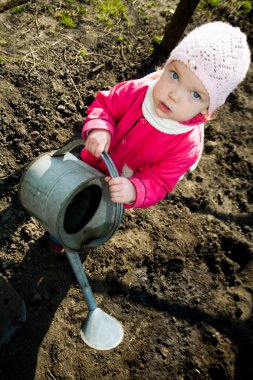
[(179, 94)]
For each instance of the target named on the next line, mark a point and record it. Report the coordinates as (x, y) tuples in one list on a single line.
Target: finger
[(107, 145), (116, 189), (91, 146), (95, 149), (115, 180), (98, 151), (117, 200), (116, 197)]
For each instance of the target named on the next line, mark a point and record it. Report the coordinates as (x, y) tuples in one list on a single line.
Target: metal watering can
[(71, 200)]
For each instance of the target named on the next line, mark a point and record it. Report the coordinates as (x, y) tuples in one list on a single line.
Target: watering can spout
[(100, 330)]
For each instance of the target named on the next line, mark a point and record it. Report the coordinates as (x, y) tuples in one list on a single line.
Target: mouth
[(162, 106)]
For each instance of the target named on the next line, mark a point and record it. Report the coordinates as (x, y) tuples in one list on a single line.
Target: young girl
[(153, 128)]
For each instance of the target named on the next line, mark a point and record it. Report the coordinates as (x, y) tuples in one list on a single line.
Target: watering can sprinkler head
[(100, 330)]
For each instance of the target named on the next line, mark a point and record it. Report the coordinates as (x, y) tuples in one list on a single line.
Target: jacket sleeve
[(152, 183), (109, 107)]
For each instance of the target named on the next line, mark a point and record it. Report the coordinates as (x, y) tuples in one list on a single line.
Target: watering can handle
[(111, 168), (104, 155)]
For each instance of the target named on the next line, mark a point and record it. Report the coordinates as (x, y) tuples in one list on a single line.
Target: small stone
[(61, 108)]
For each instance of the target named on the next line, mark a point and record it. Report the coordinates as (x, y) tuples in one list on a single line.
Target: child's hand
[(121, 190), (97, 141)]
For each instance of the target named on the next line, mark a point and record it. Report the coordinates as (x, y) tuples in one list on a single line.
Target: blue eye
[(174, 75), (195, 95)]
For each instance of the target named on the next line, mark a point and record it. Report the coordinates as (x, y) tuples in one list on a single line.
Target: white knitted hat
[(219, 56)]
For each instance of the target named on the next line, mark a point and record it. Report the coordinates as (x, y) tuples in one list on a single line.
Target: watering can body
[(71, 199)]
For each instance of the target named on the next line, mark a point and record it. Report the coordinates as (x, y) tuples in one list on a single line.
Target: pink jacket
[(153, 160)]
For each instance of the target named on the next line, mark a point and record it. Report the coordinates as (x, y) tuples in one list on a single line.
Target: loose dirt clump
[(179, 276)]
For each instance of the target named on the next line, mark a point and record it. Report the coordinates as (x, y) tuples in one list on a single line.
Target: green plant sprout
[(66, 20), (234, 7), (106, 10), (17, 9), (157, 39), (151, 4), (83, 52), (82, 10), (4, 59), (4, 42)]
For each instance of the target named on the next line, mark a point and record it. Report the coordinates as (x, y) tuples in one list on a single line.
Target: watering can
[(71, 199)]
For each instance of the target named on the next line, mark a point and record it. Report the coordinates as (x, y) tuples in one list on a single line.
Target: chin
[(161, 114)]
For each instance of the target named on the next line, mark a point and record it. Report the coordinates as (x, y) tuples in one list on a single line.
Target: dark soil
[(179, 276)]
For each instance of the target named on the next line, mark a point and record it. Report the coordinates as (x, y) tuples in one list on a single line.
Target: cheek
[(164, 87), (194, 103), (155, 93), (157, 90)]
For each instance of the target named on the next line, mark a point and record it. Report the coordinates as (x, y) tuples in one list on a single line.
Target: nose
[(173, 97), (175, 94)]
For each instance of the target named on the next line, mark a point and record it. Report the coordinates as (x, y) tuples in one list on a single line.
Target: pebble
[(61, 108)]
